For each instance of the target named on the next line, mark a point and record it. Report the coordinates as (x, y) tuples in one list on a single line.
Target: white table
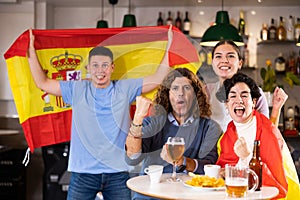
[(167, 190)]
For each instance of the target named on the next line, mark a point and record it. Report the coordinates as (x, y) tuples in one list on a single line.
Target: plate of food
[(205, 183)]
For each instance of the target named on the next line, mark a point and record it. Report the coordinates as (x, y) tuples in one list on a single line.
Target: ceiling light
[(129, 19), (102, 23), (221, 30)]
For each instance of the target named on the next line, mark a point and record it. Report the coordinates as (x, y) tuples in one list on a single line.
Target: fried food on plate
[(205, 181)]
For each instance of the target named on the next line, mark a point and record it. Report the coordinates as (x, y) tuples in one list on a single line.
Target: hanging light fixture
[(129, 19), (221, 30), (298, 42), (102, 23)]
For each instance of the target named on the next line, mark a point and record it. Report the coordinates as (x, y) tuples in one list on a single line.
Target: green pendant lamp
[(298, 42), (102, 23), (221, 30), (129, 19)]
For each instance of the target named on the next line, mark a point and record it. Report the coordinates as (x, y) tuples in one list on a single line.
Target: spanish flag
[(279, 169), (63, 54)]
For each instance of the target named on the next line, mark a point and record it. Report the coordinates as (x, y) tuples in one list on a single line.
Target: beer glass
[(236, 181), (175, 149)]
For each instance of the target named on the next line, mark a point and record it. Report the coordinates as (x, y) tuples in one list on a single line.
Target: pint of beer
[(236, 187), (236, 181)]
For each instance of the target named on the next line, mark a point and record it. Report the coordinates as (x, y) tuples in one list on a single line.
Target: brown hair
[(201, 107), (230, 42)]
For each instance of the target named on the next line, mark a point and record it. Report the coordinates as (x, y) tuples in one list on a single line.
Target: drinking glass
[(175, 149), (236, 181)]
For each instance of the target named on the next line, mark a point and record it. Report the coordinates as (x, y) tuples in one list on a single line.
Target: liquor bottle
[(297, 29), (281, 31), (290, 28), (272, 30), (186, 24), (290, 119), (264, 32), (292, 63), (242, 24), (298, 65), (256, 165), (160, 20), (178, 21), (280, 64), (246, 56), (297, 118), (169, 19)]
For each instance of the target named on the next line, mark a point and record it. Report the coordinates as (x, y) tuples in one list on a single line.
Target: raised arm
[(134, 137), (152, 81), (41, 80), (279, 98)]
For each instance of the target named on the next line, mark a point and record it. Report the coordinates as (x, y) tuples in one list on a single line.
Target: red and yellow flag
[(63, 55)]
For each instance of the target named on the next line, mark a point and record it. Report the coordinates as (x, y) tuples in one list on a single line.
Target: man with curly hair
[(180, 108)]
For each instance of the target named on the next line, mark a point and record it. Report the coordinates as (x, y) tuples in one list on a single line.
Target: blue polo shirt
[(100, 124)]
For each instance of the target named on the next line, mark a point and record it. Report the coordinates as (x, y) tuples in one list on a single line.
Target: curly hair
[(201, 107)]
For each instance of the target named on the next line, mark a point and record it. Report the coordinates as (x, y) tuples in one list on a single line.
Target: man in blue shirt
[(100, 121)]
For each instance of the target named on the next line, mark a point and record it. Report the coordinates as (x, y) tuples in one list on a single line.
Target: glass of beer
[(175, 149), (236, 181)]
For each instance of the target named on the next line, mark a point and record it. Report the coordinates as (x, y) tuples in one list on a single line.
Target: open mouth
[(239, 111), (224, 68), (100, 77), (180, 102)]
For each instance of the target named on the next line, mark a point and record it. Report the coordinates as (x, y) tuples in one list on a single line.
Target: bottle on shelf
[(281, 31), (264, 32), (160, 20), (169, 19), (298, 65), (272, 30), (297, 118), (246, 56), (290, 119), (290, 28), (280, 64), (178, 21), (186, 24), (242, 24), (256, 165), (297, 29), (292, 63)]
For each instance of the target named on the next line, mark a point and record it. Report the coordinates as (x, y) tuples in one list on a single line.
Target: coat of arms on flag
[(63, 54)]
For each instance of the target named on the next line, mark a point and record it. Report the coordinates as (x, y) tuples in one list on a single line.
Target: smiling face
[(226, 61), (100, 69), (240, 103), (181, 96)]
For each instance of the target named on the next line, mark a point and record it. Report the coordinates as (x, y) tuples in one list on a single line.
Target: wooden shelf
[(280, 42)]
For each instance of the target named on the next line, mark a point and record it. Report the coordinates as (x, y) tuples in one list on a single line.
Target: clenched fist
[(241, 148)]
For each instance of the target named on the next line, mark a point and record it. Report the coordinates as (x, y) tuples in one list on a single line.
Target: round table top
[(168, 190)]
